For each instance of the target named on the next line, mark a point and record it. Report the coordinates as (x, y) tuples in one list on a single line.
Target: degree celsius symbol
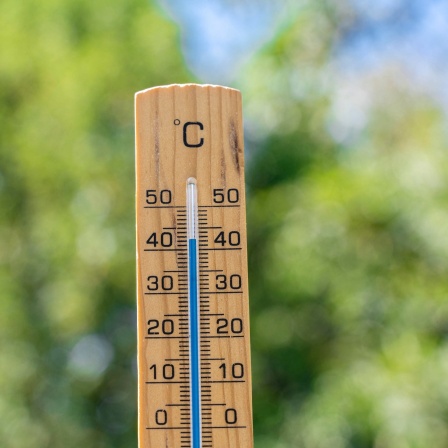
[(186, 126)]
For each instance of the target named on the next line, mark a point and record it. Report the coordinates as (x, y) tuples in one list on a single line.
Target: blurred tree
[(347, 252), (68, 73), (347, 218)]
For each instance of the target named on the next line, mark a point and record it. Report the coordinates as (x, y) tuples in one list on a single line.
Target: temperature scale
[(193, 318)]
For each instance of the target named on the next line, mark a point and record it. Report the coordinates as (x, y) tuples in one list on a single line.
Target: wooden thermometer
[(194, 370)]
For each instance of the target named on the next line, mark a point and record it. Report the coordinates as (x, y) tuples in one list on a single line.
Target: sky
[(219, 36), (405, 41), (409, 33)]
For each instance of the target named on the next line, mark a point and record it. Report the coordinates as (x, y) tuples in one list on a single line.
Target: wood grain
[(185, 131)]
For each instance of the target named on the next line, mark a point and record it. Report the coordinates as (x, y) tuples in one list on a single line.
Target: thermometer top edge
[(182, 86)]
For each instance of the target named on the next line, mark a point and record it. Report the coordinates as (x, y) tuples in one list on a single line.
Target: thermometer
[(194, 374)]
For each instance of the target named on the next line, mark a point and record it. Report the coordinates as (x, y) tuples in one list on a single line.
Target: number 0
[(161, 417), (231, 416)]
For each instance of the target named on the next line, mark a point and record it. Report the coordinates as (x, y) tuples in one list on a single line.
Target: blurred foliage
[(68, 74), (348, 256), (347, 241)]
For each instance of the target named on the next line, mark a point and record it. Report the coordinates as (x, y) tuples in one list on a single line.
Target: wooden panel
[(185, 131)]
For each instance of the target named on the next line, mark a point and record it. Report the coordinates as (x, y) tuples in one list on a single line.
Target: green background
[(348, 240)]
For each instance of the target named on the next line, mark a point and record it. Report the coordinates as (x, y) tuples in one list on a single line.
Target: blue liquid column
[(193, 304)]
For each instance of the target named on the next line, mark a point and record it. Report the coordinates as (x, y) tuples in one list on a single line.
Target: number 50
[(220, 195)]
